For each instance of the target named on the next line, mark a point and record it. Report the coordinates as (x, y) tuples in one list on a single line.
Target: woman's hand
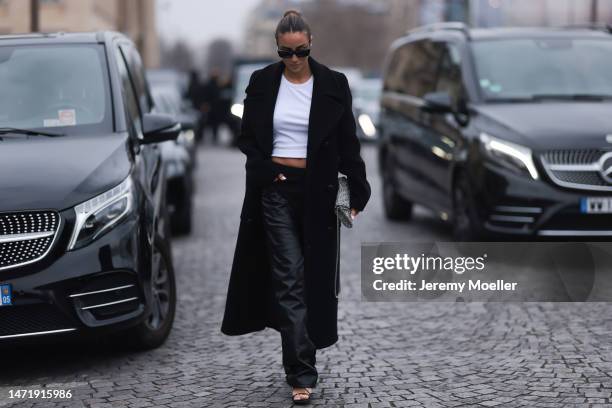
[(354, 213)]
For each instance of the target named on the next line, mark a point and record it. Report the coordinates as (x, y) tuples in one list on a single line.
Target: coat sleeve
[(351, 164), (260, 170)]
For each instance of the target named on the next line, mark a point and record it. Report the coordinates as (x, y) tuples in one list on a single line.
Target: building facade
[(492, 13), (259, 34), (136, 18)]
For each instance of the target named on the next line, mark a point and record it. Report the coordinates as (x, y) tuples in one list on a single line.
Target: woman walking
[(298, 131)]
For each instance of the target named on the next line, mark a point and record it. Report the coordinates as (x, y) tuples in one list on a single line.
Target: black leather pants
[(282, 208)]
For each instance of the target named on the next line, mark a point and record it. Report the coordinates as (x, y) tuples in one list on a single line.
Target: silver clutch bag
[(343, 205)]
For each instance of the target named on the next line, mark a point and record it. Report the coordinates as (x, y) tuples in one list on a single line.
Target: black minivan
[(504, 131), (83, 226)]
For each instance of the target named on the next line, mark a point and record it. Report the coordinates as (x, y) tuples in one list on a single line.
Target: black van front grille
[(26, 237), (586, 169)]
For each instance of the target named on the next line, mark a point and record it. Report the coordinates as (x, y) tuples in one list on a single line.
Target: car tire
[(183, 218), (396, 207), (155, 328), (466, 226), (167, 227)]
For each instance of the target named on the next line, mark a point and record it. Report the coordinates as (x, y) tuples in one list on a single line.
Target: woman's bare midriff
[(290, 161)]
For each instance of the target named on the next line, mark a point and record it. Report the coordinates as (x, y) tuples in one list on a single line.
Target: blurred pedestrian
[(195, 96), (285, 272), (211, 104), (226, 98)]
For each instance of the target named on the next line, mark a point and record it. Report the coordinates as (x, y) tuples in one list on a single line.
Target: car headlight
[(96, 216), (237, 110), (368, 127), (189, 135), (511, 155)]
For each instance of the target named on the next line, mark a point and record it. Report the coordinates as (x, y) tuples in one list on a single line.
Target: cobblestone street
[(390, 354)]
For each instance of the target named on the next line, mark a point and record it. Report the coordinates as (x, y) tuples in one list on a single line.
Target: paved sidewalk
[(388, 355)]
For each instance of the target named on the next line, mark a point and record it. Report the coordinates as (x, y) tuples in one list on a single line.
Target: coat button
[(326, 143)]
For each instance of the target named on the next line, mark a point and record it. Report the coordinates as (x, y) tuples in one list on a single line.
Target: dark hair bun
[(292, 22), (297, 13)]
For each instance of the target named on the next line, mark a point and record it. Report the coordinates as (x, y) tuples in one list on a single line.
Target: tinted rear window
[(413, 67)]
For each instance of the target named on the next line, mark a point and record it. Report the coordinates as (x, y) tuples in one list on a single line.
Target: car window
[(64, 86), (164, 103), (129, 96), (397, 63), (412, 70), (524, 67), (449, 73), (138, 75)]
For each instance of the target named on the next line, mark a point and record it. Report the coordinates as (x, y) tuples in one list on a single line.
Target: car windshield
[(243, 74), (369, 90), (564, 68), (54, 86)]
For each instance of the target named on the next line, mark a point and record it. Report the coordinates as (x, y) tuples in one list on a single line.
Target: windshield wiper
[(29, 132), (511, 99), (543, 97), (572, 97)]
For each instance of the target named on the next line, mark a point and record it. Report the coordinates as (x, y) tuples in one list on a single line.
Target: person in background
[(226, 97), (194, 95), (211, 104)]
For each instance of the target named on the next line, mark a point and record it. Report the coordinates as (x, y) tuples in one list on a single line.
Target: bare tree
[(34, 16), (348, 34), (178, 55), (219, 56), (594, 10)]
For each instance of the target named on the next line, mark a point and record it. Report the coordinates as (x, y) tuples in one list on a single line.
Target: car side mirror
[(437, 102), (158, 127), (186, 122), (187, 126)]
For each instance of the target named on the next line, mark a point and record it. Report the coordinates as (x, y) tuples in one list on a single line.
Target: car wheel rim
[(160, 290)]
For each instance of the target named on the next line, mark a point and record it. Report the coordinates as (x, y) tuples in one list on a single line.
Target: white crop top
[(291, 115)]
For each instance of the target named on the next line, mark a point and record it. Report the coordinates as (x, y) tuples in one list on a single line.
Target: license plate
[(596, 205), (6, 294)]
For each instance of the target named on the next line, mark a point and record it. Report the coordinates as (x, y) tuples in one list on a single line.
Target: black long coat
[(332, 146)]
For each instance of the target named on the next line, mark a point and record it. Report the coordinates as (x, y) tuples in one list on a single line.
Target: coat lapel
[(325, 110), (326, 106)]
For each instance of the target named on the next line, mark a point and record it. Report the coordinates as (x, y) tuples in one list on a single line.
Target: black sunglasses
[(289, 53)]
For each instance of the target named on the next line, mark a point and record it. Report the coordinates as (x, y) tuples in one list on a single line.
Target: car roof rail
[(18, 36), (446, 25), (607, 27)]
